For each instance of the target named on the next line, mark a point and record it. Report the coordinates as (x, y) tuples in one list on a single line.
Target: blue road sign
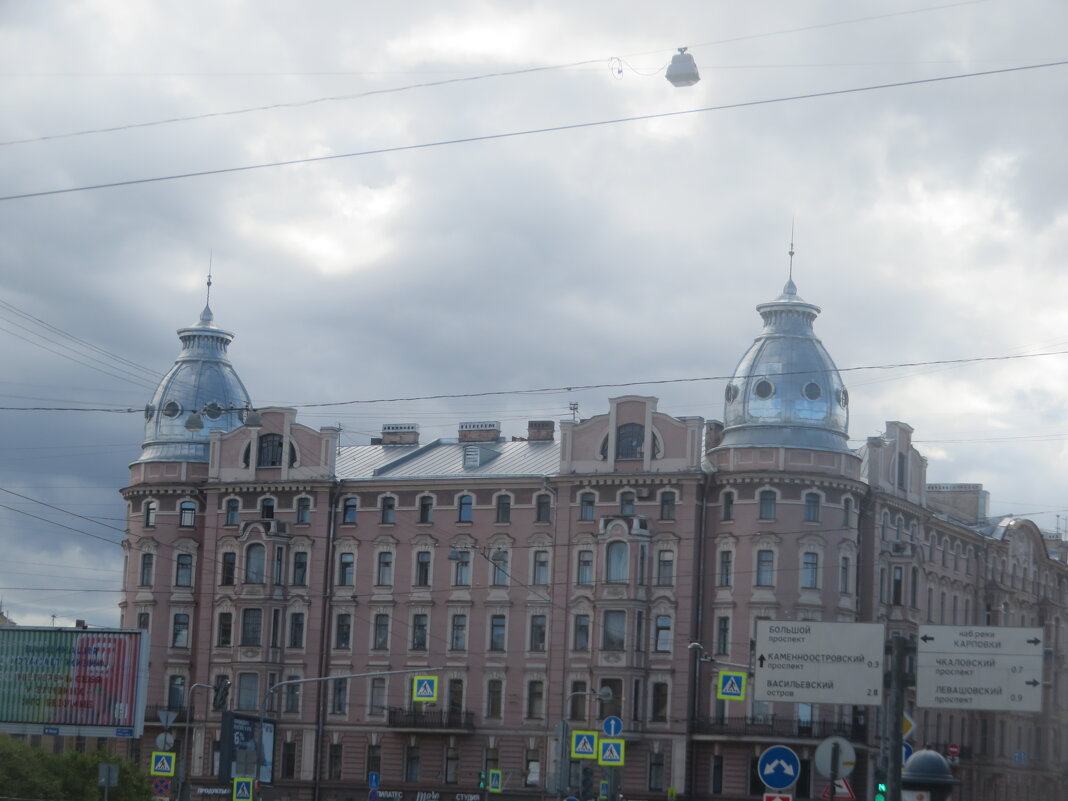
[(124, 733), (906, 752), (242, 790), (496, 781), (603, 795), (53, 730), (373, 779), (583, 745), (778, 767), (612, 726), (571, 798), (372, 795)]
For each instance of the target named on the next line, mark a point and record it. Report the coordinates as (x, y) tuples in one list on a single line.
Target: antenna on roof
[(211, 255), (791, 273)]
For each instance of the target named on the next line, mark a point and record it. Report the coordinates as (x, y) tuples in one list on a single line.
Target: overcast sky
[(929, 224)]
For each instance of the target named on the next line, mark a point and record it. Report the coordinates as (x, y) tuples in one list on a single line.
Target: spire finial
[(790, 276), (206, 317), (211, 256)]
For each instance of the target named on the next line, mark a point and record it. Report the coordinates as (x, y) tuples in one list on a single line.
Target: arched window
[(270, 451), (616, 562), (255, 558), (187, 514), (466, 507)]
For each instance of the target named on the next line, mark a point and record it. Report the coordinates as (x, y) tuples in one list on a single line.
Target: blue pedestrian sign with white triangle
[(425, 689), (583, 745), (611, 751), (731, 686), (242, 789), (162, 763)]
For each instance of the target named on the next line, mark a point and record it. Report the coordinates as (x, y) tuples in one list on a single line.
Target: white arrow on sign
[(778, 764)]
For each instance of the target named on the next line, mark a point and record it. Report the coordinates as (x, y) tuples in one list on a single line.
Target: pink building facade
[(605, 567)]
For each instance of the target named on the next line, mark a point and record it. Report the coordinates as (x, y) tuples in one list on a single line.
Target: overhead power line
[(527, 132)]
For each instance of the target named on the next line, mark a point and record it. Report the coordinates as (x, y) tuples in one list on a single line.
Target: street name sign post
[(988, 668), (819, 663)]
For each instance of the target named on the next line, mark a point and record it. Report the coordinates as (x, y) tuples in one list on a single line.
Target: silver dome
[(200, 394), (786, 390)]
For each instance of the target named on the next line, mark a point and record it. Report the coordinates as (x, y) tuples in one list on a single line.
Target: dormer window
[(630, 441), (270, 451)]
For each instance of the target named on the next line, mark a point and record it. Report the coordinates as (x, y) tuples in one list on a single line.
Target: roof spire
[(790, 288), (206, 317)]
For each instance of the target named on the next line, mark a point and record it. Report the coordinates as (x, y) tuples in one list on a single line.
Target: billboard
[(91, 683), (238, 751)]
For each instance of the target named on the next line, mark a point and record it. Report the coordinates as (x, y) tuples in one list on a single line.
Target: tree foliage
[(30, 773)]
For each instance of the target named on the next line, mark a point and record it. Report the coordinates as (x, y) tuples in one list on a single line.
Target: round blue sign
[(779, 767), (612, 726)]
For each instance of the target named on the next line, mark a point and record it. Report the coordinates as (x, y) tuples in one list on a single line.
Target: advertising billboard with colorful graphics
[(73, 681)]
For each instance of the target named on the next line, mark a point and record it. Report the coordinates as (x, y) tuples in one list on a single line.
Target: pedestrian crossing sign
[(496, 781), (610, 752), (425, 688), (731, 686), (162, 763), (583, 745), (242, 789)]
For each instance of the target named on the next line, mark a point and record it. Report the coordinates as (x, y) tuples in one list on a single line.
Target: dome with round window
[(201, 393), (786, 390)]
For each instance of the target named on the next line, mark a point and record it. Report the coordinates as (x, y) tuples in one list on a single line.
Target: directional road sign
[(374, 779), (496, 781), (908, 725), (778, 767), (731, 685), (162, 763), (612, 726), (242, 790), (425, 688), (819, 663), (987, 668), (825, 757), (583, 745), (610, 752)]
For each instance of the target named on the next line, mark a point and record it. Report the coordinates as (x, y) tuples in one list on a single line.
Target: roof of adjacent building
[(448, 458)]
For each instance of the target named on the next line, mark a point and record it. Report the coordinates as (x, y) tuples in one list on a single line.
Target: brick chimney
[(400, 434), (485, 431), (540, 430)]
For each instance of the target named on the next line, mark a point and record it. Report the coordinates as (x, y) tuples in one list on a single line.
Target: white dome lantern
[(682, 71)]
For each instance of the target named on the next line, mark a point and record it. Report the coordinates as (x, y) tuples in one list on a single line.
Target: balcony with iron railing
[(451, 720), (765, 726)]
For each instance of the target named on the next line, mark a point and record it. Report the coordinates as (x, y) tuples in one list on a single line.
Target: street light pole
[(183, 768), (260, 755), (604, 695)]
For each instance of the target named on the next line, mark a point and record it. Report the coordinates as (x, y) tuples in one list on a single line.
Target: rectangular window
[(343, 631), (810, 570), (374, 759), (897, 587), (537, 633), (225, 635), (334, 761), (465, 510), (726, 568), (300, 569), (296, 630), (656, 773), (346, 569), (411, 763), (147, 560), (251, 626), (381, 632), (419, 626), (667, 506), (462, 573), (843, 575), (452, 765), (577, 701), (535, 699), (723, 635), (727, 506), (303, 510), (500, 568), (289, 760), (717, 775), (659, 711), (532, 762), (233, 511), (639, 630), (542, 509), (581, 641), (765, 572), (665, 568), (494, 699), (767, 504), (180, 631), (376, 702), (339, 696), (812, 507), (615, 630), (541, 568), (584, 576), (187, 514), (276, 627), (384, 575), (497, 633), (292, 702), (426, 508), (587, 506), (349, 510), (458, 634), (183, 570), (389, 509), (248, 691), (144, 620), (422, 569), (662, 638), (504, 508), (176, 692), (279, 564), (229, 569), (615, 705)]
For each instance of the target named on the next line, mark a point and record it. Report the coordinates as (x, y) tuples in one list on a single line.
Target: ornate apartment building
[(603, 567)]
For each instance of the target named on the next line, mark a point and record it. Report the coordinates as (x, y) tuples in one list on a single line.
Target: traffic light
[(587, 783), (880, 791), (482, 780), (221, 693)]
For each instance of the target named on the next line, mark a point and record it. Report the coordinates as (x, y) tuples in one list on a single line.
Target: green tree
[(27, 772)]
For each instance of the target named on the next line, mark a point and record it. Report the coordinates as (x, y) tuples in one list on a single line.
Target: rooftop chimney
[(485, 431), (540, 430), (400, 434)]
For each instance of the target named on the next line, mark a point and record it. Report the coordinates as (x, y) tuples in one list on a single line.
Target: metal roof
[(445, 458)]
